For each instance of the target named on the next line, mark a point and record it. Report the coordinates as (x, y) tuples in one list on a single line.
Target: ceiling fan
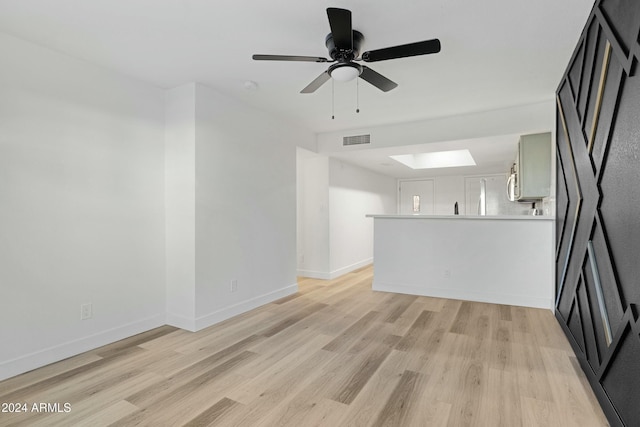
[(344, 47)]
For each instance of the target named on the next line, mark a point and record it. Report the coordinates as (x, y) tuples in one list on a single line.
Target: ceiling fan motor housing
[(344, 55)]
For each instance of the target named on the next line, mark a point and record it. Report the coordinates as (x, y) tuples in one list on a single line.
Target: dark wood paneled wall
[(598, 206)]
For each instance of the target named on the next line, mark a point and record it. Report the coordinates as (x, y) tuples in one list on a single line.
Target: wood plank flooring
[(334, 354)]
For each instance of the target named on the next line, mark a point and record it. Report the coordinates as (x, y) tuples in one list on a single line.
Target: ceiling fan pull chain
[(333, 102), (357, 95)]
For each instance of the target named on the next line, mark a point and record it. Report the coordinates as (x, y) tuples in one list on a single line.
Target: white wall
[(313, 215), (523, 119), (355, 192), (245, 206), (448, 191), (81, 206), (92, 211), (180, 205), (335, 199)]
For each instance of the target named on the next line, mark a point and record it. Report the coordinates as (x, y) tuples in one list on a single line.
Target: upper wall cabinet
[(530, 178)]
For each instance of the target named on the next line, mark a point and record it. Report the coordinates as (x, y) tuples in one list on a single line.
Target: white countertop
[(470, 217)]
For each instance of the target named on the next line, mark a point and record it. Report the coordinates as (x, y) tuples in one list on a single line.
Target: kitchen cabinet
[(531, 172)]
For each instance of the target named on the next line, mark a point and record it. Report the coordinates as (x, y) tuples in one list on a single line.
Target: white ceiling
[(492, 155), (495, 53)]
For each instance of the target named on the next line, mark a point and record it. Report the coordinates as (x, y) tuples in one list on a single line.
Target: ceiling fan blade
[(289, 58), (402, 51), (319, 81), (340, 23), (377, 79)]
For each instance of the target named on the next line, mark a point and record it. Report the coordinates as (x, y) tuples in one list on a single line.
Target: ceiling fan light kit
[(344, 44), (344, 72)]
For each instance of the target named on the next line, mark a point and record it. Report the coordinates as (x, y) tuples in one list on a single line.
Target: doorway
[(416, 197)]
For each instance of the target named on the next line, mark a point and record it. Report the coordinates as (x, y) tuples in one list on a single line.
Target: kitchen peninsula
[(496, 259)]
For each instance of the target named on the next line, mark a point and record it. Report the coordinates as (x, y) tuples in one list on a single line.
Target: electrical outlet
[(234, 285), (86, 311), (447, 274)]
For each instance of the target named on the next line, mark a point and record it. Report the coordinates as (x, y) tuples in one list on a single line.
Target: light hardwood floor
[(335, 354)]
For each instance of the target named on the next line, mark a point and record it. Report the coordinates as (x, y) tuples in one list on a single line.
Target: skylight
[(436, 159)]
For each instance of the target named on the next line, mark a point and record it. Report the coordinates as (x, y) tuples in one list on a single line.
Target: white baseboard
[(242, 307), (37, 359), (495, 298), (11, 368), (330, 275), (186, 323), (322, 275), (349, 268)]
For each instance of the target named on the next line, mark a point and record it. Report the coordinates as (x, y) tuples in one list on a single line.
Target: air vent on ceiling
[(357, 139)]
